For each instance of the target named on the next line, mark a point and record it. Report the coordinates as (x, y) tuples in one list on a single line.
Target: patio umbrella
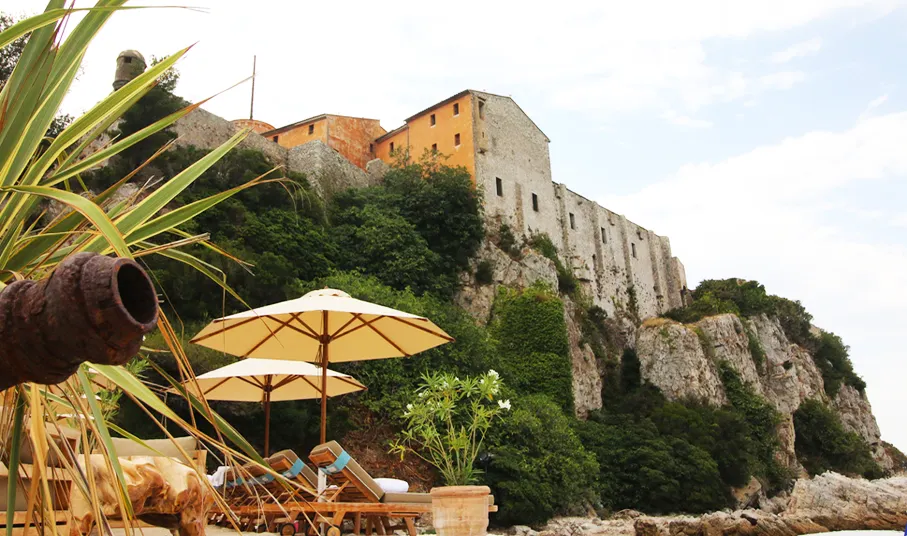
[(271, 380), (324, 326)]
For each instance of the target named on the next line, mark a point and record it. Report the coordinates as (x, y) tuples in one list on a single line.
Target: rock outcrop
[(681, 361), (478, 299), (672, 358), (828, 502)]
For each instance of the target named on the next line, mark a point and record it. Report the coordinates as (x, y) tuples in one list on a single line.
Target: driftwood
[(163, 492), (91, 308)]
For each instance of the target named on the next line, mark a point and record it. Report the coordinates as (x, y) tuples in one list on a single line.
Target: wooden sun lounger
[(352, 494)]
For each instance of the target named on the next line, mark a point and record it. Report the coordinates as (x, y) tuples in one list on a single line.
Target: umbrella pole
[(324, 393), (267, 417)]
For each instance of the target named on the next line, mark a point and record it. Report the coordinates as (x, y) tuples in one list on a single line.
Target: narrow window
[(371, 147), (392, 146), (274, 139), (499, 186), (311, 129), (434, 147), (535, 202), (433, 120), (572, 221), (456, 109), (457, 140), (633, 249), (481, 109), (604, 236), (127, 59), (594, 264)]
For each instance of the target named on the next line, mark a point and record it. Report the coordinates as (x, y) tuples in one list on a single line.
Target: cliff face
[(681, 360)]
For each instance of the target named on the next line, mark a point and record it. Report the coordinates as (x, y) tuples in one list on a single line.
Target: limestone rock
[(478, 299), (671, 358), (749, 495), (842, 503), (727, 335), (856, 416), (587, 377)]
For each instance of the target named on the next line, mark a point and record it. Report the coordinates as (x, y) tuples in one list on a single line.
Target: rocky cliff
[(682, 361)]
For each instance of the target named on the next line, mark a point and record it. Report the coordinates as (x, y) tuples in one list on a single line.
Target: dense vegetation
[(823, 445), (749, 298)]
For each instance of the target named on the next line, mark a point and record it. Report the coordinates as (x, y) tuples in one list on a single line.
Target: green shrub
[(538, 466), (507, 241), (823, 444), (533, 347), (380, 241), (756, 350), (566, 281), (485, 272), (761, 422), (644, 470), (833, 360)]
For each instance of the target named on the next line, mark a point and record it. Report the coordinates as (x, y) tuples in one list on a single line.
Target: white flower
[(409, 407), (422, 394), (504, 404), (493, 372)]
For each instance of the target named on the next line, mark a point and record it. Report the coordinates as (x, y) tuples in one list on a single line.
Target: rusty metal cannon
[(91, 308)]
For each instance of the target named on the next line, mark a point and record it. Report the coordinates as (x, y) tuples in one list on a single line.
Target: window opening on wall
[(456, 109), (499, 186), (457, 140), (371, 147), (434, 147), (392, 146), (633, 249), (535, 202), (311, 129), (274, 139), (481, 109), (572, 221), (594, 263), (127, 59), (604, 236), (433, 120)]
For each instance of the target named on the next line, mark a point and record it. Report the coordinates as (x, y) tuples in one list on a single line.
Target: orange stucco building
[(449, 127), (353, 137)]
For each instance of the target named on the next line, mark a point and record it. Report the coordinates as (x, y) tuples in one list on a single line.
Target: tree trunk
[(91, 308)]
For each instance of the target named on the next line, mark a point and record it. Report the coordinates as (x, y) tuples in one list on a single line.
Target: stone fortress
[(620, 264)]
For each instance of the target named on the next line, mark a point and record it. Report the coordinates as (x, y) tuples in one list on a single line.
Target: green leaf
[(104, 435), (91, 211)]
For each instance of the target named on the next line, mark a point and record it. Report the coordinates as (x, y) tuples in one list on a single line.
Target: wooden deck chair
[(355, 485)]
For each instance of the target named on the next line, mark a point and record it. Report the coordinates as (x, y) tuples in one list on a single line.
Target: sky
[(767, 139)]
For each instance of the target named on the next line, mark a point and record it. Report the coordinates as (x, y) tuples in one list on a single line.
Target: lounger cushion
[(157, 447), (392, 485), (332, 451), (417, 498), (290, 459)]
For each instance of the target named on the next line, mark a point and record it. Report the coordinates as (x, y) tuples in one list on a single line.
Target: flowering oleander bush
[(447, 422)]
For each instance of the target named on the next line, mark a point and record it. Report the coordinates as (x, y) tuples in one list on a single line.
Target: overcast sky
[(766, 138)]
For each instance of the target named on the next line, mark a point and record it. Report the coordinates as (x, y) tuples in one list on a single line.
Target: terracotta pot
[(460, 510)]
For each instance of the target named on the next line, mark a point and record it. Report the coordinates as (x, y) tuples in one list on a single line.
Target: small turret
[(130, 63)]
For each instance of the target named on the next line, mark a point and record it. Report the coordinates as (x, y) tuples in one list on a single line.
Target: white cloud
[(899, 220), (685, 121), (806, 48), (873, 104), (614, 57), (767, 215), (781, 80)]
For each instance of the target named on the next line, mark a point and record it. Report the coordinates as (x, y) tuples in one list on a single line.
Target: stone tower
[(130, 63)]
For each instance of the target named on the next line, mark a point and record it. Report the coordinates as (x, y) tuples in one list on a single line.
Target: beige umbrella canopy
[(324, 326), (271, 380)]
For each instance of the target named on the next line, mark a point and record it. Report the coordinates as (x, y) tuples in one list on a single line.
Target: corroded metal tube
[(91, 308)]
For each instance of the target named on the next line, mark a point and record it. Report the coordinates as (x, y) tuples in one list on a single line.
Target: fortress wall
[(517, 153)]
